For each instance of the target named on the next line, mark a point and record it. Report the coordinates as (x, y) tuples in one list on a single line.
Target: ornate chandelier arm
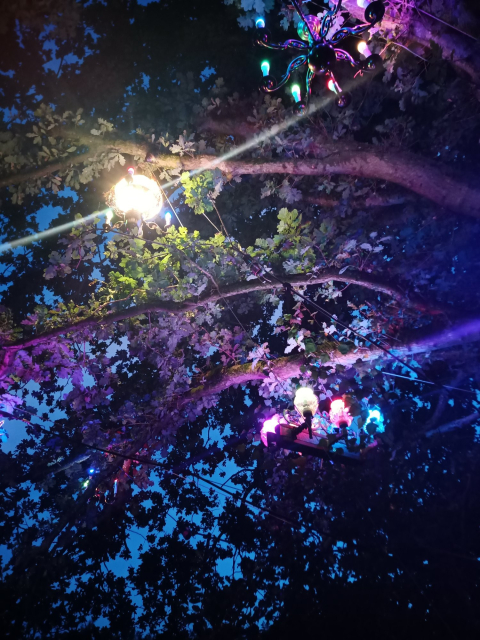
[(349, 31), (300, 13), (294, 64), (328, 20), (282, 46), (340, 54)]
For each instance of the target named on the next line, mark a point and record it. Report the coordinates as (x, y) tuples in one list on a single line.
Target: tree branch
[(425, 177), (229, 291), (220, 379)]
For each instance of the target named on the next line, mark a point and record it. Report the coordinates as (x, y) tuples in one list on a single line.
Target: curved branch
[(229, 291), (220, 379), (425, 177)]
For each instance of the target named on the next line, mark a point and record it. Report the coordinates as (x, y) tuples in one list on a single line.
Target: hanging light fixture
[(137, 197), (317, 48), (339, 414)]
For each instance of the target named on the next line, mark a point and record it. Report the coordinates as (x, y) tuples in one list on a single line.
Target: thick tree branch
[(425, 177), (239, 289), (458, 49), (220, 379)]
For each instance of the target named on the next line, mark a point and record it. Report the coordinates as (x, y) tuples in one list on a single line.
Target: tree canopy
[(335, 250)]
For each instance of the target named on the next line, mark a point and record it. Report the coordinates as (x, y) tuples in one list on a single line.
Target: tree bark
[(427, 178), (458, 49), (220, 379)]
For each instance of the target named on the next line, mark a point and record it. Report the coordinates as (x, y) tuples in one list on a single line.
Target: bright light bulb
[(265, 67), (339, 413), (363, 3), (297, 95), (375, 418), (269, 427), (363, 48), (139, 194), (168, 219), (305, 401), (260, 23), (332, 85)]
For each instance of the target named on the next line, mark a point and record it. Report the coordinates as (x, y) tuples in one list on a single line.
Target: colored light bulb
[(363, 48), (265, 67), (374, 418), (332, 85), (339, 413), (260, 23), (269, 427), (296, 93), (305, 401), (363, 3), (168, 219)]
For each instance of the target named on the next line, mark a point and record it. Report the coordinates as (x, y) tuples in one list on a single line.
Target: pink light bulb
[(339, 413), (332, 85), (363, 48), (269, 427)]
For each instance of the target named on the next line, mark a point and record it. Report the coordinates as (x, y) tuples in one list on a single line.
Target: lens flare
[(35, 237)]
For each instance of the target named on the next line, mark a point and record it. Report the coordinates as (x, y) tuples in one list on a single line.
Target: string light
[(260, 23), (363, 48), (265, 67), (374, 422)]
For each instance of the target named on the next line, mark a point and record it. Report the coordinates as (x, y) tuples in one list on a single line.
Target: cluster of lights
[(306, 404), (318, 51)]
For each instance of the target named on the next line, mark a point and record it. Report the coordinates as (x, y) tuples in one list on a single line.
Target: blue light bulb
[(297, 95), (265, 67), (91, 471), (260, 23), (375, 417)]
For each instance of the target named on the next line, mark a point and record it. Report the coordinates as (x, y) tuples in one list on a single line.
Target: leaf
[(71, 149)]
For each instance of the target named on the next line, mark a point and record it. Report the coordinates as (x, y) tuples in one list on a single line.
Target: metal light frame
[(318, 50)]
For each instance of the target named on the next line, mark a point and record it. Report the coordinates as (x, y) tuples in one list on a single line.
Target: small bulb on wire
[(363, 48), (265, 67), (296, 93), (260, 23), (333, 86), (168, 219)]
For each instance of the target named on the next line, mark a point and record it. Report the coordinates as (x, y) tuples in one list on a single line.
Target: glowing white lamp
[(269, 427), (305, 401), (296, 93), (265, 67), (339, 413), (168, 219), (260, 23), (363, 48), (363, 3), (138, 194)]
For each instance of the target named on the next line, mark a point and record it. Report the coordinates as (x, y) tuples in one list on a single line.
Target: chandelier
[(319, 52), (336, 436)]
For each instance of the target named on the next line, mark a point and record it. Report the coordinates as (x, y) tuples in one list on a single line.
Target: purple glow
[(269, 427), (339, 413)]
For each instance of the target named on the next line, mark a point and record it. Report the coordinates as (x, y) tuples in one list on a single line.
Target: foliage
[(137, 369)]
